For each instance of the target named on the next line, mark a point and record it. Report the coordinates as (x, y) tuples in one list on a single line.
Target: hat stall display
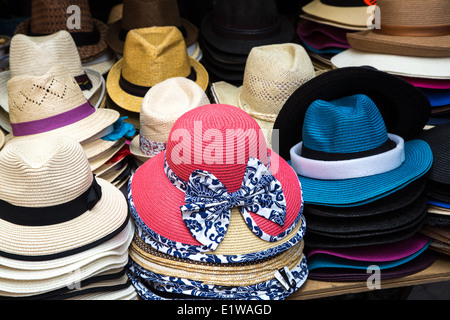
[(164, 50), (162, 105), (50, 16), (272, 74)]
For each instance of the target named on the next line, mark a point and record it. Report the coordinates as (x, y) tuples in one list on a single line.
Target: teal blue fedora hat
[(347, 157)]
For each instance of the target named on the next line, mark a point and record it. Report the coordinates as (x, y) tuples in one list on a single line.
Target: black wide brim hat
[(404, 108)]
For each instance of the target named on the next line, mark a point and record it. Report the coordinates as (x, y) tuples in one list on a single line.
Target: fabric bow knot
[(208, 204)]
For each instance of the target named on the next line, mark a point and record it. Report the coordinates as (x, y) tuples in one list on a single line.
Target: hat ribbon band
[(44, 216), (414, 31), (53, 122), (249, 34), (86, 38), (140, 91), (207, 208), (84, 82), (151, 148), (348, 169)]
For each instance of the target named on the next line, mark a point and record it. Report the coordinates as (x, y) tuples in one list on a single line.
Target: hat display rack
[(224, 150)]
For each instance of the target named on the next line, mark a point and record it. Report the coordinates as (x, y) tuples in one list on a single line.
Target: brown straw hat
[(408, 27), (164, 51), (143, 14), (50, 16), (51, 203)]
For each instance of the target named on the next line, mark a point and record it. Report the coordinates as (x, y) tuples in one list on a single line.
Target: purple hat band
[(322, 36), (53, 122)]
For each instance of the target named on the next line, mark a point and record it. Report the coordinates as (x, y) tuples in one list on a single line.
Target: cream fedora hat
[(162, 105), (36, 55), (272, 74)]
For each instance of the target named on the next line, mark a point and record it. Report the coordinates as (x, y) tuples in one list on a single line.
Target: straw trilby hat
[(36, 55), (148, 13), (50, 16), (53, 104), (161, 107), (408, 27), (52, 205), (272, 74), (163, 50)]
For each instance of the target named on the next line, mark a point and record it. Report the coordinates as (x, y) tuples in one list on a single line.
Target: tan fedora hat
[(50, 16), (36, 55), (272, 74), (138, 14), (408, 27), (53, 104), (52, 205), (164, 51), (161, 107)]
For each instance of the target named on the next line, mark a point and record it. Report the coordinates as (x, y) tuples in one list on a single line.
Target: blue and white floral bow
[(208, 204)]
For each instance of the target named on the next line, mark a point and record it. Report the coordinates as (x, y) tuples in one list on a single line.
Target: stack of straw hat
[(204, 226), (412, 40), (233, 28), (66, 232)]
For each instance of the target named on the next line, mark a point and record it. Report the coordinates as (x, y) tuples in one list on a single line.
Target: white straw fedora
[(51, 203), (162, 105), (36, 55), (272, 74)]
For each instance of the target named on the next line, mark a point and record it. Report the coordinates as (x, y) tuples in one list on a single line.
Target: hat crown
[(39, 97), (154, 54), (216, 138), (165, 102), (46, 172), (346, 125), (57, 48), (272, 74), (147, 13), (50, 16)]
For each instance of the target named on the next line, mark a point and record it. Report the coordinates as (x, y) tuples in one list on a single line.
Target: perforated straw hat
[(272, 74), (36, 55), (162, 105), (53, 104), (51, 202), (347, 157), (164, 51)]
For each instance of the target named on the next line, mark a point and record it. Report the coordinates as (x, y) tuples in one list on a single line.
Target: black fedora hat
[(404, 108), (237, 26)]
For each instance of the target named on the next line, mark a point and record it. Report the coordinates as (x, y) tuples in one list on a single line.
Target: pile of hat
[(361, 167), (411, 39), (324, 24), (233, 28), (272, 73), (217, 214), (65, 233), (4, 52)]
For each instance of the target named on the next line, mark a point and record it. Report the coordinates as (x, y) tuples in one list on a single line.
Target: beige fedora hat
[(36, 55), (53, 104), (52, 205), (161, 107), (272, 74)]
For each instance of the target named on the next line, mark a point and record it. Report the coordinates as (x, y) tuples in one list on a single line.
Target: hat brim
[(103, 157), (116, 44), (404, 108), (108, 218), (285, 33), (136, 151), (358, 191), (163, 217), (331, 23), (133, 103), (437, 46)]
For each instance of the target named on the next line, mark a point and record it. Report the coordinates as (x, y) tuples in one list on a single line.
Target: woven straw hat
[(138, 14), (53, 104), (272, 74), (152, 182), (57, 48), (408, 27), (2, 139), (50, 16), (53, 203), (164, 50), (161, 107)]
